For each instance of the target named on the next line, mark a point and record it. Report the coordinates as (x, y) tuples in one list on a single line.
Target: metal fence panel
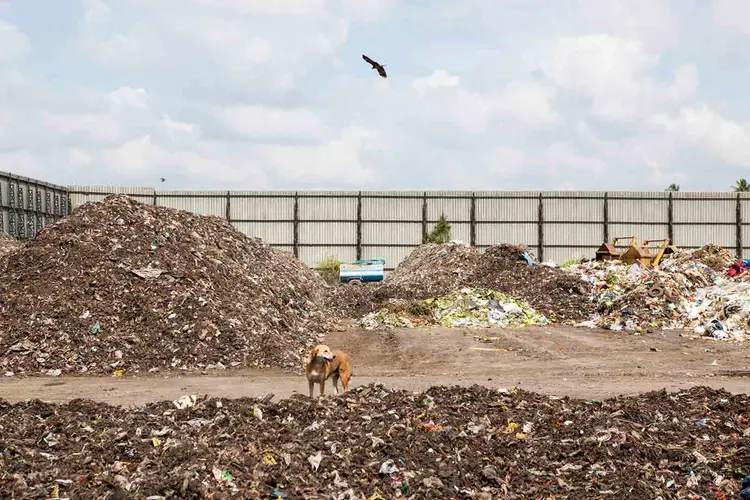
[(507, 209), (572, 235), (696, 236), (642, 231), (635, 210), (325, 208), (521, 234), (248, 205), (573, 209), (200, 202), (273, 233), (398, 233), (327, 233), (454, 209), (713, 211), (391, 208)]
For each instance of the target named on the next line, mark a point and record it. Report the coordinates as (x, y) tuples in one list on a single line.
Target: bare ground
[(553, 360)]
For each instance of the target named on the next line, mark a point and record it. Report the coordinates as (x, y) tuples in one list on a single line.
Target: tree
[(741, 186), (673, 187), (441, 233)]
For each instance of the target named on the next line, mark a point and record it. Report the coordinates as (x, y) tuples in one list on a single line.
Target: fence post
[(296, 224), (359, 225), (670, 219), (228, 208), (424, 217), (605, 208), (738, 225), (153, 200), (540, 227), (473, 220)]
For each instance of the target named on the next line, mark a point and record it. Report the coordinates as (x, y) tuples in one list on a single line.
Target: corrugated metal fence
[(389, 224), (27, 205)]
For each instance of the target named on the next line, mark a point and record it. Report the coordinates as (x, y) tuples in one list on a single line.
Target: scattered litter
[(464, 308), (482, 442)]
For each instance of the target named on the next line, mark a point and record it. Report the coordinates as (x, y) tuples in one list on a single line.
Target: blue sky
[(249, 94)]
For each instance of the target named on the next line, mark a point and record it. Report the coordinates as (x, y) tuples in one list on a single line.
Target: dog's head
[(322, 351)]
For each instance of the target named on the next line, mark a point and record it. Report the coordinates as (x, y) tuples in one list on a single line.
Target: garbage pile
[(714, 256), (123, 287), (8, 244), (464, 308), (554, 293), (434, 270), (374, 443), (681, 293)]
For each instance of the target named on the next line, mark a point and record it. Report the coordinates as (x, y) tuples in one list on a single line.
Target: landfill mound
[(8, 244), (681, 293), (551, 291), (714, 256), (123, 287), (434, 270), (448, 442), (464, 308)]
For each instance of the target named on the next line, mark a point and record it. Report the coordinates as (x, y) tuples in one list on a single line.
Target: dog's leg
[(346, 375), (312, 386), (322, 387), (335, 378)]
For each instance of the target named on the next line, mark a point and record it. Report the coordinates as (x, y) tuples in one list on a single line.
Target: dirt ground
[(552, 360)]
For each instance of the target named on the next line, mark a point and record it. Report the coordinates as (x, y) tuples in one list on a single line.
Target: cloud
[(706, 129), (732, 14), (13, 42), (261, 121), (232, 94)]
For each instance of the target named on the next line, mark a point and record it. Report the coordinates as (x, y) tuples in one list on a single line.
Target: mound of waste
[(465, 308), (511, 270), (435, 270), (432, 270), (8, 244), (448, 442), (120, 286), (681, 293)]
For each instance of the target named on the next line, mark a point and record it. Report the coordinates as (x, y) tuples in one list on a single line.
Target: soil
[(557, 360)]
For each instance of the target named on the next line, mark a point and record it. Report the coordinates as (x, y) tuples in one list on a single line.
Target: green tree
[(673, 187), (441, 233), (741, 186)]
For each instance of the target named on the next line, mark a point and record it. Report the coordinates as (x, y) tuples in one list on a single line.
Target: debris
[(436, 443), (434, 270), (681, 293), (164, 288), (8, 244), (467, 307)]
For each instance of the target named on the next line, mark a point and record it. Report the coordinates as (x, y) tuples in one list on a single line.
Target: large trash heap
[(456, 285), (693, 290), (374, 443), (124, 287)]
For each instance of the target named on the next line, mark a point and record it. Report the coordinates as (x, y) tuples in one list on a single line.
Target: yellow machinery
[(645, 253), (663, 251)]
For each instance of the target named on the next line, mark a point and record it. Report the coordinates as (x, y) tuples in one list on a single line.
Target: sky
[(274, 94)]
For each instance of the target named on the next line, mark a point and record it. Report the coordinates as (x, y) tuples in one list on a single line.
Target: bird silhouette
[(376, 65), (162, 179)]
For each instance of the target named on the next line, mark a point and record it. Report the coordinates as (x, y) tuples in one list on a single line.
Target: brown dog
[(323, 363)]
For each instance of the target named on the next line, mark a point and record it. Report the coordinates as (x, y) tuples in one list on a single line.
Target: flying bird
[(162, 179), (376, 65)]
